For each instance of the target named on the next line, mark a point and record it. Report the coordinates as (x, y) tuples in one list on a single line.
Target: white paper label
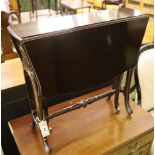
[(44, 129)]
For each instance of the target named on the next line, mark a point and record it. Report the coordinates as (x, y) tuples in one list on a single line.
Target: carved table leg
[(137, 86), (46, 115), (117, 91), (113, 87), (38, 109), (127, 89), (46, 145)]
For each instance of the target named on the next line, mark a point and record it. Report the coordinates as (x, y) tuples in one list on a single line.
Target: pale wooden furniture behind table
[(146, 6), (6, 44), (16, 6), (142, 5), (73, 6)]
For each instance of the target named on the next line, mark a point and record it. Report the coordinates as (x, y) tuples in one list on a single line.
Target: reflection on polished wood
[(64, 23), (94, 130)]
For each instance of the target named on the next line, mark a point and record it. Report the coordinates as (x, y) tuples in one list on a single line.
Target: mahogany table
[(95, 130)]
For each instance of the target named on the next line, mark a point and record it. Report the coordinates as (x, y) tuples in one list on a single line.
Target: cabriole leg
[(126, 91), (113, 87), (117, 91)]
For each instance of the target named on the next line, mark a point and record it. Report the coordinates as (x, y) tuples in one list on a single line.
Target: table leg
[(117, 87), (127, 91)]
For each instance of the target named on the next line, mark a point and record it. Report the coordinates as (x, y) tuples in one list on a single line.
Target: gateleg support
[(127, 91), (117, 88)]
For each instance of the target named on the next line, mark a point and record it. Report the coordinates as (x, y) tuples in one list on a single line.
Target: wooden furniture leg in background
[(15, 7), (6, 45), (32, 8)]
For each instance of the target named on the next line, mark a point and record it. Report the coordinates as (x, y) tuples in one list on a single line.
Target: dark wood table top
[(75, 4), (52, 26), (93, 130)]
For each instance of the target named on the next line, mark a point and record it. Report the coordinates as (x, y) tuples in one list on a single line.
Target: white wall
[(4, 5)]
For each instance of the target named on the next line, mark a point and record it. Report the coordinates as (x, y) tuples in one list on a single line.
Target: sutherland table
[(94, 130)]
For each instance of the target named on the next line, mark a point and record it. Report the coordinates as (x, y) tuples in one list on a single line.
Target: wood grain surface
[(95, 130)]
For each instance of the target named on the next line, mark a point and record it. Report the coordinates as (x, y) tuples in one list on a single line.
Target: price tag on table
[(44, 128)]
